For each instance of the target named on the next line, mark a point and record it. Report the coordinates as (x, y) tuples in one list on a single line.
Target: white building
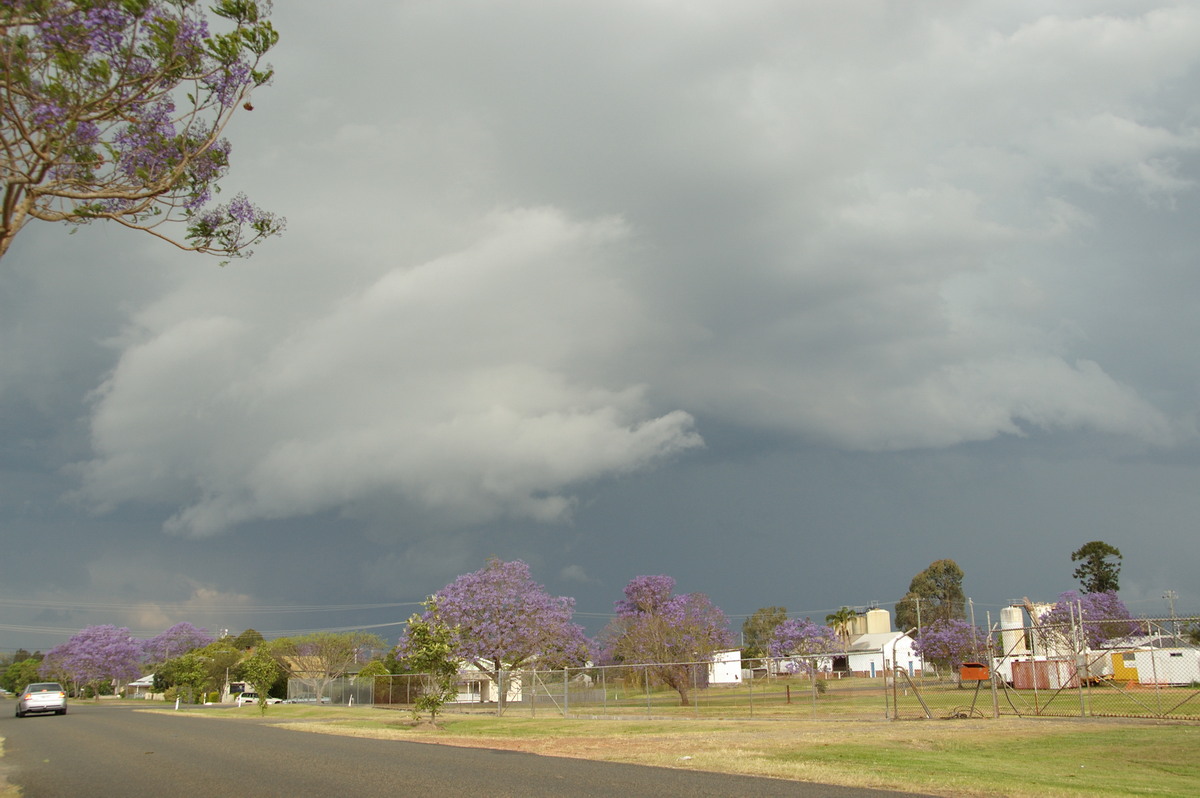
[(726, 667)]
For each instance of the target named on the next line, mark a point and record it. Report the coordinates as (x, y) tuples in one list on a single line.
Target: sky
[(785, 300)]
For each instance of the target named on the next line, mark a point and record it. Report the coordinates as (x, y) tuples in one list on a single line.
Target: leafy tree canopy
[(114, 110), (248, 639), (321, 657), (934, 594), (261, 670), (758, 628), (1099, 567), (428, 648), (20, 673)]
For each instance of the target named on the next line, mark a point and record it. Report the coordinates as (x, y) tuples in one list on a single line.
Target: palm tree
[(840, 622)]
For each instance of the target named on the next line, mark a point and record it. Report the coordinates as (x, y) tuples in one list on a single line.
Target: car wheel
[(62, 711), (20, 714)]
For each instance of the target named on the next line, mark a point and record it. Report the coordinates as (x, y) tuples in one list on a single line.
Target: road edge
[(7, 789)]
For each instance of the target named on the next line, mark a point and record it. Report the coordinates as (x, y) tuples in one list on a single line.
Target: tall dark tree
[(248, 639), (1099, 567), (758, 629), (935, 594)]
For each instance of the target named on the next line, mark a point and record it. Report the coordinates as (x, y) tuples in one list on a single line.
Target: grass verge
[(1020, 758)]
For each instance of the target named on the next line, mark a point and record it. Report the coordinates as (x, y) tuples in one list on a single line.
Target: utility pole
[(974, 642), (1170, 596)]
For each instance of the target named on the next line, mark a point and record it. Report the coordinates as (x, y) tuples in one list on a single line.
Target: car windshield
[(45, 687)]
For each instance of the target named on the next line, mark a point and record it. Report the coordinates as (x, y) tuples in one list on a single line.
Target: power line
[(224, 608)]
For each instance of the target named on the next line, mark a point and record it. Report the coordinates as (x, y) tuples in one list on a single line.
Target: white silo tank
[(878, 622), (1012, 631)]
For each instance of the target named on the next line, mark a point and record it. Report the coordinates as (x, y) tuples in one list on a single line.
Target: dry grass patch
[(1021, 758)]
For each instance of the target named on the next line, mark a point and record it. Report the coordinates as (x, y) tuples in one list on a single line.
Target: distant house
[(476, 687), (142, 688)]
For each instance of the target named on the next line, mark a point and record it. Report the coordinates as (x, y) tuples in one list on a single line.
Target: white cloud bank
[(877, 230), (452, 384)]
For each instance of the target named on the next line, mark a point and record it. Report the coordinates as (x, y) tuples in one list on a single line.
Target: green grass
[(1020, 758), (1015, 757), (1116, 762)]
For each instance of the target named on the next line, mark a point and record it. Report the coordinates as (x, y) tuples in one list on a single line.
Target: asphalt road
[(118, 752)]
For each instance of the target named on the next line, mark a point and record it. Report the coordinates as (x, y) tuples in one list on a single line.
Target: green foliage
[(758, 629), (374, 668), (198, 672), (187, 674), (935, 594), (321, 657), (429, 650), (19, 674), (247, 639), (1099, 567), (840, 622), (261, 670)]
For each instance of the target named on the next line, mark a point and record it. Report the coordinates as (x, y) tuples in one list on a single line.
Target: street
[(98, 751)]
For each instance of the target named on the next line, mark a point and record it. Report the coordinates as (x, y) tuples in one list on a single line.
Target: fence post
[(1080, 645), (566, 693), (750, 684), (1154, 671)]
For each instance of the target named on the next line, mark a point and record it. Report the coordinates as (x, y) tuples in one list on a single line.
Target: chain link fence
[(1151, 671), (1148, 668), (799, 687)]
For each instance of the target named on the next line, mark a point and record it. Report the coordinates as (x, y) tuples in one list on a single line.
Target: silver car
[(42, 697)]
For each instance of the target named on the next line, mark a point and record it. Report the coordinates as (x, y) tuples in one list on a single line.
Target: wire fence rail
[(1151, 671)]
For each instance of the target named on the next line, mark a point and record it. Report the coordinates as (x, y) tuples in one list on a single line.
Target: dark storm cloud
[(787, 301)]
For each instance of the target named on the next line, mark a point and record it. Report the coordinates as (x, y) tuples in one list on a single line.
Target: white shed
[(872, 654), (726, 667)]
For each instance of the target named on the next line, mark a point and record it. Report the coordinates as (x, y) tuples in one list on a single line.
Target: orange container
[(973, 672)]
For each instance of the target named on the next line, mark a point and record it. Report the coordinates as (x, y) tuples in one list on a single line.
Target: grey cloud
[(610, 287)]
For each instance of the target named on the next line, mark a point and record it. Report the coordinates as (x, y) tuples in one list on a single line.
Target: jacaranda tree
[(115, 109), (1098, 617), (800, 639), (673, 635), (949, 642), (175, 642), (96, 656), (502, 620)]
